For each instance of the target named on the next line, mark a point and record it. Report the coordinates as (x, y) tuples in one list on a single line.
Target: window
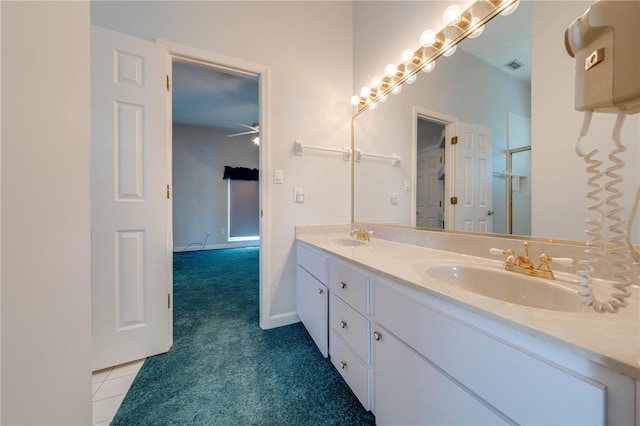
[(243, 210)]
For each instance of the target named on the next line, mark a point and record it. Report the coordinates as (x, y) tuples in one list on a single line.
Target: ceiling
[(506, 38), (208, 97)]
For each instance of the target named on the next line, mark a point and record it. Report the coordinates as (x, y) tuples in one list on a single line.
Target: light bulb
[(355, 100), (397, 89), (478, 31), (390, 70), (427, 38), (376, 82), (450, 51), (407, 56), (373, 105), (429, 67), (382, 99), (509, 10), (365, 91), (411, 79), (452, 15)]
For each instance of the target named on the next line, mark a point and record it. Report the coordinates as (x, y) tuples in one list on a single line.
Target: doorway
[(215, 158), (195, 56), (430, 174)]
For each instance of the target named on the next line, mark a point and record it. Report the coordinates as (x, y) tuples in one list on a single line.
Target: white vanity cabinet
[(312, 295), (434, 366), (409, 390), (349, 328)]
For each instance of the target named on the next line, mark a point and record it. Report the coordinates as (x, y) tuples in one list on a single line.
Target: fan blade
[(254, 128), (242, 133)]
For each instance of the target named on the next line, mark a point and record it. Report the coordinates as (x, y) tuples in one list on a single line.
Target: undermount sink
[(346, 242), (509, 287)]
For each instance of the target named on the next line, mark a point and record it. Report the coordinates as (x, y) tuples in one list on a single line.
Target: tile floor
[(109, 388)]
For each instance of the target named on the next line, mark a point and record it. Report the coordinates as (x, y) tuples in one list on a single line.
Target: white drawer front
[(501, 374), (351, 286), (354, 372), (351, 326), (314, 263)]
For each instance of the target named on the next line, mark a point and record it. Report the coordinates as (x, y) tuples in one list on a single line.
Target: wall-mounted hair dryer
[(605, 43)]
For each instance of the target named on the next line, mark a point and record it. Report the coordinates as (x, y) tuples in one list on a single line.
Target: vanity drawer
[(351, 368), (350, 285), (312, 262), (351, 326)]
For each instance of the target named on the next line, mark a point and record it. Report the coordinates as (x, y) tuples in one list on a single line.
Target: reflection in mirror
[(466, 96)]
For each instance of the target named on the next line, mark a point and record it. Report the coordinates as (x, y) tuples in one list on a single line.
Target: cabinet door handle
[(320, 291), (343, 284), (343, 364), (377, 335), (343, 324)]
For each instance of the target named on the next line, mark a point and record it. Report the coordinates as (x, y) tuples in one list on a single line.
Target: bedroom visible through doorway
[(215, 130)]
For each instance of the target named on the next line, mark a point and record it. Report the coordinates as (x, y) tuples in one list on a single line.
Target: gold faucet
[(523, 264), (361, 234)]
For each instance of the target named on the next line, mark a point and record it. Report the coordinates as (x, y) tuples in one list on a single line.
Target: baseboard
[(281, 320), (234, 244)]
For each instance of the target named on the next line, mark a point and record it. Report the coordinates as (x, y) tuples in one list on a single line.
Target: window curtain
[(240, 173)]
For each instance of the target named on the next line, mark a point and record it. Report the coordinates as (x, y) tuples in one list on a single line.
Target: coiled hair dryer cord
[(620, 240)]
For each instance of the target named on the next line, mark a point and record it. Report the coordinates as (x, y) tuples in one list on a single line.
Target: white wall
[(559, 178), (46, 292), (199, 192), (308, 49), (383, 29)]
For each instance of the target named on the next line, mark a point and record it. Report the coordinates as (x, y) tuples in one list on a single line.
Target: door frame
[(449, 131), (196, 56)]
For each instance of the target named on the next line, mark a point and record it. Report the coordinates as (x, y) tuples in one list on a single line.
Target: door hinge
[(454, 140), (168, 300), (168, 83), (454, 200), (168, 192)]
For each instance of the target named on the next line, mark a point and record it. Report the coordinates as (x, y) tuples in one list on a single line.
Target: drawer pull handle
[(343, 364), (377, 335), (343, 324), (320, 291), (343, 284)]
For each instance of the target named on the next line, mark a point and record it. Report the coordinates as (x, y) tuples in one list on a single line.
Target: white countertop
[(612, 340)]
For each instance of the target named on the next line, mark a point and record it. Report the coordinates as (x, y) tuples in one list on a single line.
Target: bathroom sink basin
[(509, 287), (345, 242)]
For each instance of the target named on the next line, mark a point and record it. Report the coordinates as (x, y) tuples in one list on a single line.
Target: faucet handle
[(564, 261), (511, 259)]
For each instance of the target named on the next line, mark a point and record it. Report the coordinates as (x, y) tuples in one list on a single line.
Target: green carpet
[(223, 369)]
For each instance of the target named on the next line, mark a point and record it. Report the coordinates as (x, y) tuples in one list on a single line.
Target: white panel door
[(473, 170), (131, 271)]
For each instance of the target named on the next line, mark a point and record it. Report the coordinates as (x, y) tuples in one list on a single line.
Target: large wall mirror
[(407, 172), (485, 87)]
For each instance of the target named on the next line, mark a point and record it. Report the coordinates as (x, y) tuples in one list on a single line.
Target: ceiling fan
[(255, 128)]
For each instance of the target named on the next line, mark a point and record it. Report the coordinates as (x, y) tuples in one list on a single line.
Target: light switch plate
[(278, 176)]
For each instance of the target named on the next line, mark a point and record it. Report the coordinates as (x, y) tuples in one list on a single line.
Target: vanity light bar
[(469, 21)]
